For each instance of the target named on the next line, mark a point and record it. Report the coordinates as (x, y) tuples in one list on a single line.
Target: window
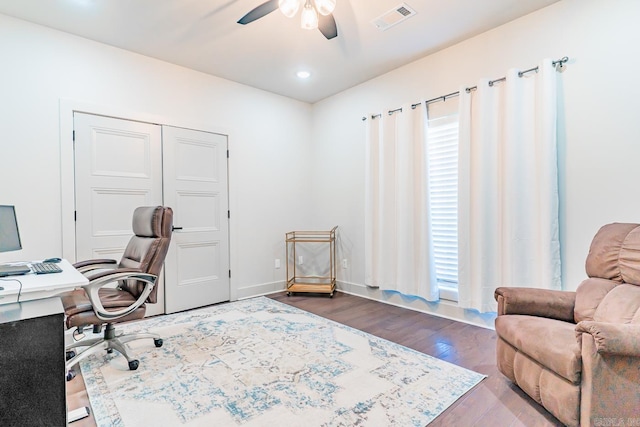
[(442, 148)]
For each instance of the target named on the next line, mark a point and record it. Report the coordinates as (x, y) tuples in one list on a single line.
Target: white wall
[(600, 145), (269, 139), (273, 140)]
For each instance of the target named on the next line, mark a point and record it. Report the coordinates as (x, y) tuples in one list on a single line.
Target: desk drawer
[(9, 290)]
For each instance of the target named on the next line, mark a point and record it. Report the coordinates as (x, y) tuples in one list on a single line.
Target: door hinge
[(229, 274), (228, 214), (227, 154), (75, 215), (74, 136)]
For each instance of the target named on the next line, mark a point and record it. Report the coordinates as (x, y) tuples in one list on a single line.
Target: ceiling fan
[(315, 14)]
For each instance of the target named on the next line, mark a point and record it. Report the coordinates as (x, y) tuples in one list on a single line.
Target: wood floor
[(494, 402)]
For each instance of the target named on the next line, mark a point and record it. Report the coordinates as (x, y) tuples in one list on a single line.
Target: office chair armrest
[(103, 278), (95, 264)]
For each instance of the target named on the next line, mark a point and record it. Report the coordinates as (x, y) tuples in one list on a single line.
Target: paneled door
[(118, 167), (195, 185)]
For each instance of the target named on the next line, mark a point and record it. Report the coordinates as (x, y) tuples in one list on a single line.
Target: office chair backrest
[(152, 226)]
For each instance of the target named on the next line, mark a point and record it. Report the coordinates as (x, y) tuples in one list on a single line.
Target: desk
[(28, 287), (32, 361), (32, 364)]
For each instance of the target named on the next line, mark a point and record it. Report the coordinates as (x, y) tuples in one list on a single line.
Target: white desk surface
[(31, 286)]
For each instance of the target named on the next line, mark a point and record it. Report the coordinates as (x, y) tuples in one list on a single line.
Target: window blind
[(442, 148)]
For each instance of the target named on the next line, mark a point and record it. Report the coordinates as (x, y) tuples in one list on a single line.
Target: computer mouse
[(55, 260)]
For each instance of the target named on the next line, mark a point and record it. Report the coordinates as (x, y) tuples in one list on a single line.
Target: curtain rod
[(559, 64)]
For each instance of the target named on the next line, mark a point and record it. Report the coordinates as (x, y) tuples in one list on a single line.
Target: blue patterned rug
[(259, 362)]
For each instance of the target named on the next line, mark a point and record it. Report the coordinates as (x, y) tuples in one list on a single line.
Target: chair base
[(109, 342)]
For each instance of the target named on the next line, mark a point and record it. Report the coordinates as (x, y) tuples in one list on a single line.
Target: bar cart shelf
[(319, 284)]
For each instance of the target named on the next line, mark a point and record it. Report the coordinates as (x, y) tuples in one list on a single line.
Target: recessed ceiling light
[(303, 74), (84, 3)]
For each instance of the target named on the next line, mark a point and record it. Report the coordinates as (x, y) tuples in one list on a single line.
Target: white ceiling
[(203, 35)]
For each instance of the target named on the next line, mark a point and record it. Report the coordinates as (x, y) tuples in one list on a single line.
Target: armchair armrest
[(102, 278), (536, 302), (620, 339), (94, 264)]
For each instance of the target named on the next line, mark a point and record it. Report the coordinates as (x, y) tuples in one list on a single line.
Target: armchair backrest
[(147, 249), (615, 253), (612, 292)]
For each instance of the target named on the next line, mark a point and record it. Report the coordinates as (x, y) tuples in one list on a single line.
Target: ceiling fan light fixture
[(289, 8), (325, 7), (309, 17)]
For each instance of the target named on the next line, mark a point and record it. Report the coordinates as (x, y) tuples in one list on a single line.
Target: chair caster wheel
[(158, 342), (70, 354), (133, 365), (288, 294), (71, 374)]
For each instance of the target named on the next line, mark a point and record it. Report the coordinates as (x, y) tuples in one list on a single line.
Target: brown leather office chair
[(136, 276)]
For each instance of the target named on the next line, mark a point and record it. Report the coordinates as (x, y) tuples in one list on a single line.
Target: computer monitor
[(9, 234)]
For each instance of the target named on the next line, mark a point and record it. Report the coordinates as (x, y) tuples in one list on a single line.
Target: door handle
[(176, 228)]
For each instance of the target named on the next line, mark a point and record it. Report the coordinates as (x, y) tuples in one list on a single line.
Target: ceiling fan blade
[(327, 26), (260, 11)]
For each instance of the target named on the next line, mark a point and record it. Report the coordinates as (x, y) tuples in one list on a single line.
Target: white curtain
[(398, 247), (508, 187)]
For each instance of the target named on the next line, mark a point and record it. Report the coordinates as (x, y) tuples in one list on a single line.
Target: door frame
[(67, 170)]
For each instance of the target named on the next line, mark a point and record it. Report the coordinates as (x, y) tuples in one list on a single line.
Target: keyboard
[(45, 268)]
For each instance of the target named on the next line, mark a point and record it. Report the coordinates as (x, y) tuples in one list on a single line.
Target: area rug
[(259, 362)]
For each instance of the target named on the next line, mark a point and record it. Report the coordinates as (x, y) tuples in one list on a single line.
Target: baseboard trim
[(446, 309), (261, 289)]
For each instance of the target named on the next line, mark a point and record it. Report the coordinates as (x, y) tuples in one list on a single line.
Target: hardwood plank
[(77, 397), (493, 402)]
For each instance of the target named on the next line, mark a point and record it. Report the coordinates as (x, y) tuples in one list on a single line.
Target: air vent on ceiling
[(393, 17)]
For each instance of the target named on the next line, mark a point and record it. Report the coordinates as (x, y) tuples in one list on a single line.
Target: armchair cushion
[(630, 258), (620, 305), (550, 342), (588, 295)]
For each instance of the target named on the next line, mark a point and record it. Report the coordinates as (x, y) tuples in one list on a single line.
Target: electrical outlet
[(277, 263), (345, 263), (300, 260)]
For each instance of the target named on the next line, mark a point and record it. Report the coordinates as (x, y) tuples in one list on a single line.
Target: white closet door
[(195, 186), (118, 167)]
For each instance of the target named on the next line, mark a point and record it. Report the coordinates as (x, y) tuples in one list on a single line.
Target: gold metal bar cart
[(321, 284)]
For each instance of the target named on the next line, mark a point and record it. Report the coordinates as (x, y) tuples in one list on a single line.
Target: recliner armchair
[(136, 276), (578, 353)]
